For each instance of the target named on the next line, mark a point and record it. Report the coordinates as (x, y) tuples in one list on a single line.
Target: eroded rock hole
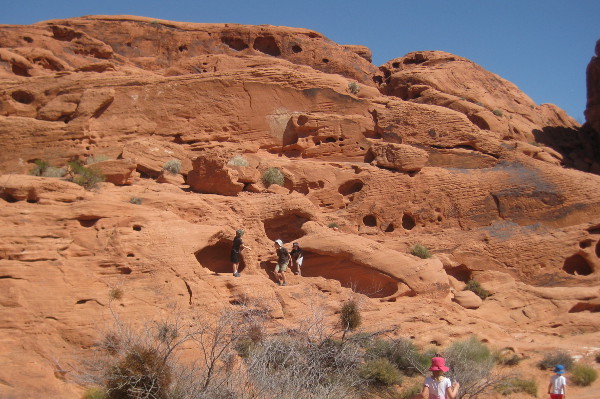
[(395, 65), (65, 34), (585, 244), (216, 258), (302, 120), (351, 275), (577, 265), (370, 221), (28, 39), (296, 49), (461, 273), (137, 227), (235, 43), (325, 60), (390, 228), (124, 270), (351, 187), (408, 222), (19, 70), (182, 48), (287, 227), (594, 230), (598, 249), (88, 222), (585, 307), (22, 97), (330, 140), (267, 45)]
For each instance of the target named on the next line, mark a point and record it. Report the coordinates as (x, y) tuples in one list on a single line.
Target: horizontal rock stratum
[(426, 149)]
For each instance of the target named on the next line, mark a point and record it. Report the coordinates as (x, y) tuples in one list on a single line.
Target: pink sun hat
[(437, 364)]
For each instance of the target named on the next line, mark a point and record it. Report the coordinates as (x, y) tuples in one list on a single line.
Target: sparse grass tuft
[(135, 200), (116, 293), (498, 112), (420, 251), (583, 375), (350, 317), (474, 286), (333, 225), (353, 87), (51, 171), (238, 160), (273, 176), (517, 385), (173, 166)]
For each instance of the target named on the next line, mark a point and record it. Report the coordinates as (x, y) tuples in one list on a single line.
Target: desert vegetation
[(240, 355), (172, 166), (420, 251), (273, 176)]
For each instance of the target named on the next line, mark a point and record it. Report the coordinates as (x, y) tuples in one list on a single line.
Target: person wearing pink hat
[(438, 386)]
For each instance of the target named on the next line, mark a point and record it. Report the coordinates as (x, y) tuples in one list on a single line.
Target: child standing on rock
[(236, 248), (297, 258), (283, 260), (437, 386), (558, 383)]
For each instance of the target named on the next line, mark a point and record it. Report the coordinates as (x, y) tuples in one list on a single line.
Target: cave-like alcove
[(216, 257), (352, 275), (285, 227)]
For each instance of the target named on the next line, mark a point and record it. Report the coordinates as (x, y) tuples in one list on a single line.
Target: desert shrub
[(583, 375), (353, 87), (238, 160), (350, 317), (479, 103), (517, 385), (410, 392), (52, 171), (507, 358), (172, 166), (87, 177), (116, 293), (420, 251), (135, 200), (333, 225), (471, 363), (551, 359), (39, 167), (498, 112), (474, 286), (94, 393), (95, 159), (141, 373), (273, 176), (381, 372), (402, 353)]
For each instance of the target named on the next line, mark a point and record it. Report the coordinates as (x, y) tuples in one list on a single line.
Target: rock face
[(374, 160), (592, 111)]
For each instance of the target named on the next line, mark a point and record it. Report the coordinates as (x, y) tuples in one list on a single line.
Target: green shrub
[(173, 166), (94, 393), (238, 160), (420, 251), (402, 353), (474, 286), (87, 177), (333, 225), (517, 385), (96, 159), (507, 358), (479, 103), (550, 360), (471, 363), (381, 372), (135, 200), (583, 375), (498, 112), (273, 176), (353, 87), (39, 168), (350, 317)]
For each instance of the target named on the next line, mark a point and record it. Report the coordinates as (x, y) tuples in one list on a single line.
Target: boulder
[(402, 157), (467, 299), (117, 171)]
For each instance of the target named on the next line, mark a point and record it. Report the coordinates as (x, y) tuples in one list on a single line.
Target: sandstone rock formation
[(375, 161)]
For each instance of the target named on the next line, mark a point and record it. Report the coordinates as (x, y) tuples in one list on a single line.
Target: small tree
[(87, 177), (584, 375), (350, 317)]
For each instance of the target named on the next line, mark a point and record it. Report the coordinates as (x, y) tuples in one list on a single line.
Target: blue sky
[(542, 46)]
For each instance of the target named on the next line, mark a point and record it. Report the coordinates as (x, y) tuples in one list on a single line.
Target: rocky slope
[(429, 148)]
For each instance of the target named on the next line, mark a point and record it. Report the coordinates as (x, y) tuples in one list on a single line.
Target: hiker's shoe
[(236, 274), (279, 283), (284, 284)]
